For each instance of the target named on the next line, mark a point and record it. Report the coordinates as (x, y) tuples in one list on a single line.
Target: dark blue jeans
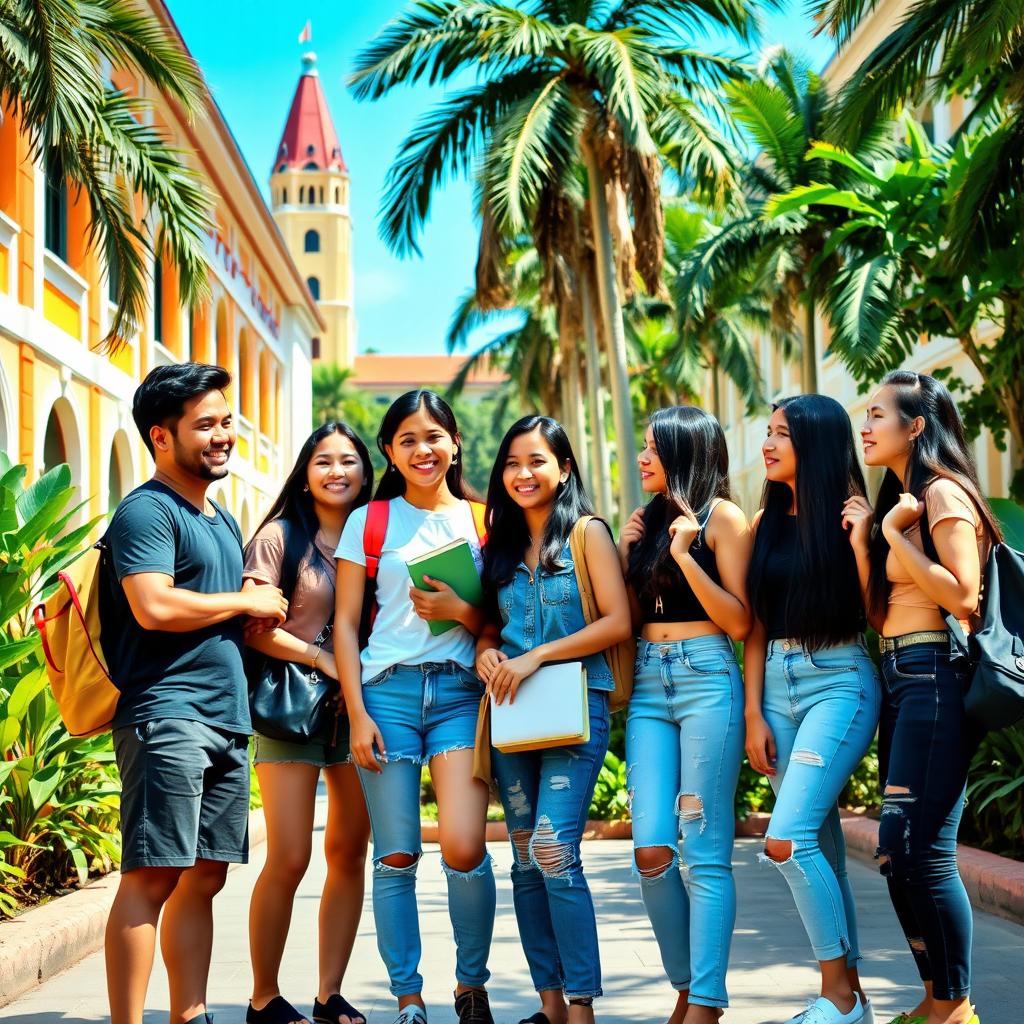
[(925, 745)]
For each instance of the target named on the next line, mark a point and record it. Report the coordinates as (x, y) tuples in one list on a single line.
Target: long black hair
[(508, 536), (691, 446), (392, 483), (293, 507), (823, 604), (940, 450)]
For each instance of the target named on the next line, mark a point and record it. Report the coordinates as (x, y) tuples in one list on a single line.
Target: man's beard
[(197, 465)]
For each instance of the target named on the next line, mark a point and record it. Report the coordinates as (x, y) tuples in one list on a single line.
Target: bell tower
[(309, 190)]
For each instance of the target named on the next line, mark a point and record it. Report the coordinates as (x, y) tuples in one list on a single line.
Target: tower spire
[(309, 140)]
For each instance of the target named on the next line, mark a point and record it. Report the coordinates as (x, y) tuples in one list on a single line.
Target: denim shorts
[(184, 793), (320, 755), (424, 710)]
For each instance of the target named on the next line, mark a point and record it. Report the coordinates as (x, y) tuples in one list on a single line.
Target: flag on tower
[(306, 34)]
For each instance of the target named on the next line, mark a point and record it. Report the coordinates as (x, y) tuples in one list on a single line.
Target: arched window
[(302, 193), (311, 166), (310, 149), (313, 283), (312, 196), (55, 445), (321, 194), (311, 242), (119, 472), (284, 196), (337, 194)]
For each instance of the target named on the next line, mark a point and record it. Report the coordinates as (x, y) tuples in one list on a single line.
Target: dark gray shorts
[(184, 794)]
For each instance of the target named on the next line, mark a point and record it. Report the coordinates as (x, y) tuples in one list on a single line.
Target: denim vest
[(544, 607)]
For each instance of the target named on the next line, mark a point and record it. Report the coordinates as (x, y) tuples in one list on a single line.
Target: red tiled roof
[(419, 371), (309, 136)]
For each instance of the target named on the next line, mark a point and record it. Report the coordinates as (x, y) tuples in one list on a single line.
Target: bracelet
[(312, 664)]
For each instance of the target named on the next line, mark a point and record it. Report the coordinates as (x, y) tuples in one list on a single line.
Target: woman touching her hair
[(812, 692), (924, 559), (685, 557), (535, 499), (412, 699)]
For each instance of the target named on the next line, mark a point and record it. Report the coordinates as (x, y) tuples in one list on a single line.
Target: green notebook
[(453, 564)]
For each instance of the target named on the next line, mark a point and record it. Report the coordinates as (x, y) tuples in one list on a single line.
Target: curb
[(994, 884), (43, 942)]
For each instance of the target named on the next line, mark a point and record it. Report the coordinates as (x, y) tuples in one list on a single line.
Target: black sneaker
[(473, 1007)]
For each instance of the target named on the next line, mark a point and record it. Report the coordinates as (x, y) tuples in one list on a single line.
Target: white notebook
[(550, 710)]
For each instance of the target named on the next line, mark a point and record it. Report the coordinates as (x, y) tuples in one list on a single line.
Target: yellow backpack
[(69, 627), (621, 657)]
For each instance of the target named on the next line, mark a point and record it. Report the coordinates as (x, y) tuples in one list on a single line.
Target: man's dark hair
[(160, 399)]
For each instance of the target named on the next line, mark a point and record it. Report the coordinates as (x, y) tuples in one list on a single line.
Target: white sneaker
[(869, 1010), (824, 1011), (412, 1014)]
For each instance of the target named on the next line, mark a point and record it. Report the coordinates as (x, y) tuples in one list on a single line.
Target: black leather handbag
[(289, 701), (293, 702)]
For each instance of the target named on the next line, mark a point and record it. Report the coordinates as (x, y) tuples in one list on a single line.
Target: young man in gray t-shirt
[(182, 724)]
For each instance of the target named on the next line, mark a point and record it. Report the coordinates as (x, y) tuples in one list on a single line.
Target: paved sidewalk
[(771, 973)]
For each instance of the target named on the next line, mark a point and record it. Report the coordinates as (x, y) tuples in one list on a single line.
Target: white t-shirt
[(400, 636)]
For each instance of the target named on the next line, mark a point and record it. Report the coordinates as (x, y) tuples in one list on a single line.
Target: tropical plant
[(58, 798), (54, 60), (894, 282), (611, 791), (938, 48), (995, 793), (564, 84), (783, 110)]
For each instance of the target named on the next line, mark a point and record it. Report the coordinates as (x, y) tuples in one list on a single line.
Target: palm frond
[(444, 143), (689, 16)]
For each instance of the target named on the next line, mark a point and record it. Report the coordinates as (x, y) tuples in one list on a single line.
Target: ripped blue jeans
[(423, 712), (822, 707), (546, 795), (684, 745)]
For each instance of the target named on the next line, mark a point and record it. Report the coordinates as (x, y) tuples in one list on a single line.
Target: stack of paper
[(550, 710)]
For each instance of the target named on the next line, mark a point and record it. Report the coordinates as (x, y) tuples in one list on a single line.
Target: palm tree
[(564, 83), (969, 46), (53, 55), (784, 110)]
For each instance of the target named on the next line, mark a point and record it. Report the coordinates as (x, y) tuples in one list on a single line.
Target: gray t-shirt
[(196, 676)]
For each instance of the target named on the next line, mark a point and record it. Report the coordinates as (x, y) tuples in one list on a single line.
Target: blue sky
[(250, 56)]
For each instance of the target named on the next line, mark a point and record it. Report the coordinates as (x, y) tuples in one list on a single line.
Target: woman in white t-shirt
[(412, 699)]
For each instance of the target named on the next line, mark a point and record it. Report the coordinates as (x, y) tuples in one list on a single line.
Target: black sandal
[(337, 1006), (277, 1011), (540, 1017)]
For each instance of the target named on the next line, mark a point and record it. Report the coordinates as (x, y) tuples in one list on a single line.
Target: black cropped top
[(678, 602), (779, 569)]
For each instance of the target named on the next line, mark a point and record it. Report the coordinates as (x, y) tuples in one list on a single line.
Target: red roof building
[(309, 141)]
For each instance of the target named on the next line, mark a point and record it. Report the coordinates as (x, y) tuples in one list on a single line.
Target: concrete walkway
[(771, 974)]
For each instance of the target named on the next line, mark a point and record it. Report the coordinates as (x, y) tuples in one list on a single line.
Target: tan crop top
[(945, 499)]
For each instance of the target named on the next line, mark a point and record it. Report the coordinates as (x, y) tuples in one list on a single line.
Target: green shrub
[(611, 794), (994, 816)]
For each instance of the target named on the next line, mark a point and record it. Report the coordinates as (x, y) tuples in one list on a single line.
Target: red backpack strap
[(480, 520), (374, 532)]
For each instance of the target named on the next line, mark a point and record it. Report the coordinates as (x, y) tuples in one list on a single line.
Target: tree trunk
[(569, 381), (578, 415), (809, 353), (614, 334), (600, 469)]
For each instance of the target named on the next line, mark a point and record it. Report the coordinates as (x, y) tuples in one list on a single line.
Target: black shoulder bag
[(995, 652), (289, 701)]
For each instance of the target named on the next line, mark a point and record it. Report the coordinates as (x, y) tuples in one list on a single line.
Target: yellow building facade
[(62, 399), (745, 434)]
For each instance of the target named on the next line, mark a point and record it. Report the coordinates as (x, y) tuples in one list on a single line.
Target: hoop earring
[(305, 490), (391, 467), (455, 460)]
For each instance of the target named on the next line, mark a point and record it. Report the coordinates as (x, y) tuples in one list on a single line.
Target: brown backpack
[(621, 657)]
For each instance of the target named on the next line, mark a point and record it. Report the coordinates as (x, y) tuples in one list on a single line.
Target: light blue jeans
[(546, 795), (423, 712), (822, 707), (684, 744)]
